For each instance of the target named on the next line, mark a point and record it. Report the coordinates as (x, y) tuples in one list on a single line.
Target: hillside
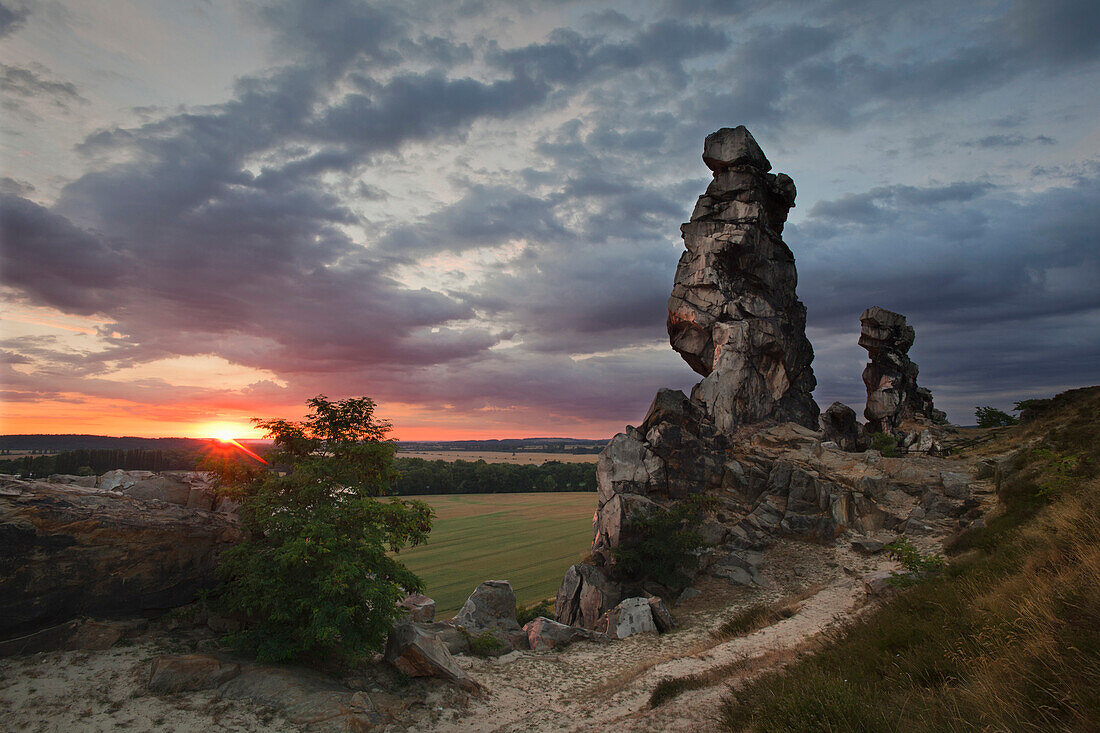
[(1007, 638)]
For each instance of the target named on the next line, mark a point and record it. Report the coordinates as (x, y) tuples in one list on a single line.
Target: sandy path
[(607, 687)]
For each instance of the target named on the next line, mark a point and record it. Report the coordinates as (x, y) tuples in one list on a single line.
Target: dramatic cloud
[(474, 216)]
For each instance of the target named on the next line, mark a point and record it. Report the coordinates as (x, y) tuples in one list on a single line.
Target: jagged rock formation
[(733, 314), (893, 396), (748, 437), (67, 550)]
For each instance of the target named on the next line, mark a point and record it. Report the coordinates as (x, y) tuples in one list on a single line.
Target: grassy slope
[(527, 539), (1008, 638)]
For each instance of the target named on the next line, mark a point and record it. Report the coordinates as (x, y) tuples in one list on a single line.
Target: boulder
[(66, 551), (840, 426), (662, 619), (416, 653), (687, 594), (733, 146), (955, 485), (584, 596), (187, 672), (891, 376), (419, 608), (492, 608), (631, 616), (544, 634), (878, 583), (867, 547)]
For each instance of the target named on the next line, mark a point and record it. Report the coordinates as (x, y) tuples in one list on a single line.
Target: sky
[(469, 211)]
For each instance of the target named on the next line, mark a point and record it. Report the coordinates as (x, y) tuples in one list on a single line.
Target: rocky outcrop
[(893, 396), (839, 425), (491, 609), (733, 314), (192, 489), (67, 550)]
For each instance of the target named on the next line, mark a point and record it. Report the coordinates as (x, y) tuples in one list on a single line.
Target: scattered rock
[(584, 596), (419, 607), (631, 616), (416, 653), (492, 608), (687, 594), (955, 485), (877, 583), (544, 634), (662, 619), (183, 673), (867, 547)]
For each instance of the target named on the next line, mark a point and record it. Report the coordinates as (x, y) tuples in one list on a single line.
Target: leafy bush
[(529, 614), (485, 644), (314, 578), (991, 417), (659, 546), (885, 444)]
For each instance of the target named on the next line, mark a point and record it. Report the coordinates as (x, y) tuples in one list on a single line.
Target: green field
[(527, 539)]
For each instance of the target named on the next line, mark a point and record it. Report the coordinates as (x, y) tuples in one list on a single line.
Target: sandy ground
[(586, 687), (105, 691)]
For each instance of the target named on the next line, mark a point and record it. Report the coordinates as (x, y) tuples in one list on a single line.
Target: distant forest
[(415, 475)]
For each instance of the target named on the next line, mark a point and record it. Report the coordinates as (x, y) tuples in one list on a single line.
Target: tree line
[(413, 475)]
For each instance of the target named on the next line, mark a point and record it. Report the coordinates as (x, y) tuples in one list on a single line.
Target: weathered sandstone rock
[(187, 672), (584, 596), (891, 377), (67, 551), (492, 608), (631, 616), (733, 313), (544, 634), (416, 653)]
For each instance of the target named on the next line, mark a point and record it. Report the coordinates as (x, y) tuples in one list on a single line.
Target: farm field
[(527, 539), (498, 456)]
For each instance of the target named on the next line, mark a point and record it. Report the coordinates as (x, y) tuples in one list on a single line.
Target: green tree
[(991, 417), (314, 578)]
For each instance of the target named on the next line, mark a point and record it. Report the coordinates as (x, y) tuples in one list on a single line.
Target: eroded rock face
[(419, 607), (733, 315), (585, 594), (632, 616), (416, 653), (891, 377), (67, 550)]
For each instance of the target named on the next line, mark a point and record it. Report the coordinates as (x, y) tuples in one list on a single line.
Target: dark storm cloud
[(11, 18), (1000, 287)]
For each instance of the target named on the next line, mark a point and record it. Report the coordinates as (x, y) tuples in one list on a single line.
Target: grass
[(755, 617), (529, 540), (1006, 637)]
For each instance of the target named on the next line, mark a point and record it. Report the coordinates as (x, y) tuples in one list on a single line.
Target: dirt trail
[(607, 687)]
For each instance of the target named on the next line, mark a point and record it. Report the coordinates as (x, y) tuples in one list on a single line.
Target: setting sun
[(226, 432)]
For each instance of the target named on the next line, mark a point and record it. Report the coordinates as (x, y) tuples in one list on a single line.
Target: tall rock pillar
[(734, 315), (893, 396)]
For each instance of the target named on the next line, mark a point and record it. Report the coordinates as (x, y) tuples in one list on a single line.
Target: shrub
[(885, 444), (659, 546), (314, 578), (529, 614), (754, 617), (991, 417)]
